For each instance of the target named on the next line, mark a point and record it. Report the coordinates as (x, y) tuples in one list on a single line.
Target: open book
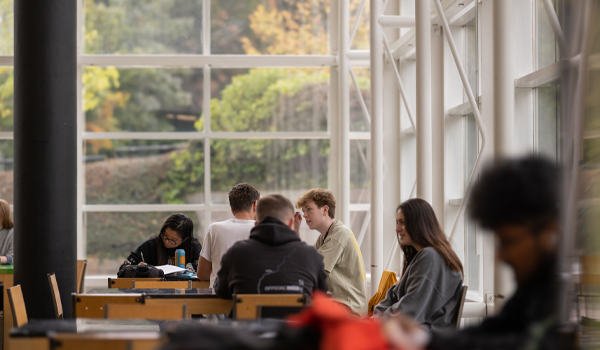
[(169, 269)]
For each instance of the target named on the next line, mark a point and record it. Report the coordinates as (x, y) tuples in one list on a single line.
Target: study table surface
[(198, 300), (41, 328), (172, 293)]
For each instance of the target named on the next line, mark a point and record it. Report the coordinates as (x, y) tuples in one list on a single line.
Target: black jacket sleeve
[(146, 252), (221, 285), (322, 275)]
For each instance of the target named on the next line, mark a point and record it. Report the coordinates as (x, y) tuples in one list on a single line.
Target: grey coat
[(429, 292), (6, 244)]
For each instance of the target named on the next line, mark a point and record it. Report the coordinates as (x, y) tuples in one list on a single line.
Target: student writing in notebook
[(176, 233)]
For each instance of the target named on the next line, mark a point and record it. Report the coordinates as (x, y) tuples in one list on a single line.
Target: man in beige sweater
[(341, 254)]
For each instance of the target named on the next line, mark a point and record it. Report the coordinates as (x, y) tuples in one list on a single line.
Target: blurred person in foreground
[(519, 201)]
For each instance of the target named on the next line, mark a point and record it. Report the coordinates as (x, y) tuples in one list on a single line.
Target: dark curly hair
[(241, 197), (521, 191)]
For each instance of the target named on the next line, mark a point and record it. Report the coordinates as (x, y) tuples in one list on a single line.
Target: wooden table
[(199, 300), (91, 334), (6, 276), (87, 334), (196, 283)]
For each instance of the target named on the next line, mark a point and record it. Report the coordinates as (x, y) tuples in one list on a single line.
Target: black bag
[(140, 271)]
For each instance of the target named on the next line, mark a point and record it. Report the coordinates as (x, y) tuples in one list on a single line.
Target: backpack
[(140, 271)]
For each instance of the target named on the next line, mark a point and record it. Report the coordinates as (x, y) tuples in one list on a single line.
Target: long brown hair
[(7, 221), (423, 228)]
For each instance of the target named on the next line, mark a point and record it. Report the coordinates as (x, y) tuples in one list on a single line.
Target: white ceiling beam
[(215, 61)]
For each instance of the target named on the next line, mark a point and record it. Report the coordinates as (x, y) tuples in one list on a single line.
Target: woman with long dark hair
[(430, 288), (176, 233)]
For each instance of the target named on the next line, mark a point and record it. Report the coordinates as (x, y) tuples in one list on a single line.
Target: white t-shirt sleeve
[(206, 247)]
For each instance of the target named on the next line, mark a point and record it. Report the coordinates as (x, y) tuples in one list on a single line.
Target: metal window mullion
[(344, 109), (130, 208), (206, 41), (205, 135), (81, 229), (206, 93), (198, 61)]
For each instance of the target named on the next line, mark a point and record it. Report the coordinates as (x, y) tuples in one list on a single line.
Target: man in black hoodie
[(273, 260)]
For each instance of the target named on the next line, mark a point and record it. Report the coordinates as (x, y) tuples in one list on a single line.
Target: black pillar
[(45, 174)]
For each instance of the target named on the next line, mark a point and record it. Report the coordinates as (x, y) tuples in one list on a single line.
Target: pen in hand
[(142, 253)]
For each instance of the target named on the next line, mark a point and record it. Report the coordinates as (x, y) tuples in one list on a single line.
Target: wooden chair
[(125, 283), (145, 312), (252, 306), (17, 306), (463, 296), (81, 266), (588, 293), (92, 305), (139, 284), (58, 310), (200, 284)]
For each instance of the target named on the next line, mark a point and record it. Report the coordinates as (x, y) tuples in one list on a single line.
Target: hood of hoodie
[(273, 232)]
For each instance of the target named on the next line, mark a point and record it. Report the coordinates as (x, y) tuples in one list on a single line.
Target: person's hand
[(142, 263), (3, 260), (297, 221), (404, 333)]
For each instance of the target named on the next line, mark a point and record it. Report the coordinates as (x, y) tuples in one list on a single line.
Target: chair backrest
[(92, 305), (17, 305), (81, 265), (463, 296), (249, 306), (161, 284), (125, 283), (590, 266), (58, 310), (200, 284), (145, 312)]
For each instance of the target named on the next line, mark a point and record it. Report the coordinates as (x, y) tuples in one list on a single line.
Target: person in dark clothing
[(176, 233), (519, 201), (273, 260)]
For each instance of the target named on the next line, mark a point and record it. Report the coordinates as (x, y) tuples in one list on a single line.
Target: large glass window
[(548, 120), (111, 236), (270, 99), (471, 151), (144, 172), (547, 111), (284, 27), (143, 26), (547, 49), (157, 156), (143, 99)]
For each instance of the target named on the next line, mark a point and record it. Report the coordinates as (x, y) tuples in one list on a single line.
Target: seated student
[(176, 233), (273, 260), (430, 288), (222, 235), (519, 201), (6, 234), (341, 254)]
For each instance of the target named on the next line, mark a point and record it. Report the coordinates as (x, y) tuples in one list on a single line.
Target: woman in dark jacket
[(176, 233)]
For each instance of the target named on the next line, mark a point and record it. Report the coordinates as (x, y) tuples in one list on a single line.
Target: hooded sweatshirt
[(272, 261)]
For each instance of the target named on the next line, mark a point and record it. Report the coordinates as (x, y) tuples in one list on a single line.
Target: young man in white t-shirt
[(222, 235)]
